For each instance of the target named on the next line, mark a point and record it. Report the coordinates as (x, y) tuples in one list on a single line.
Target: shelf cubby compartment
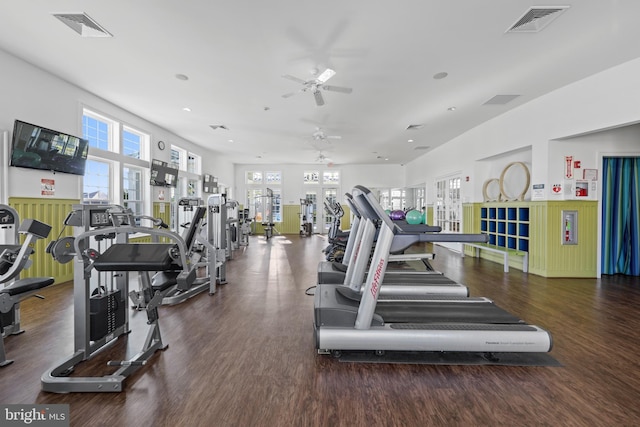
[(506, 226)]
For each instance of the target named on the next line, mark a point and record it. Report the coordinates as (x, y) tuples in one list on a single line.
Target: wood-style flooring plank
[(245, 356)]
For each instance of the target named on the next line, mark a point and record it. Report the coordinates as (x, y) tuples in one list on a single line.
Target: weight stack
[(106, 314)]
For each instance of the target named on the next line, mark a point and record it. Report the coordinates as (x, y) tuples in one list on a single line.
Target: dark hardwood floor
[(246, 357)]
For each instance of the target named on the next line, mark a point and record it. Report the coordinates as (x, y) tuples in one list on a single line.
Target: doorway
[(620, 252)]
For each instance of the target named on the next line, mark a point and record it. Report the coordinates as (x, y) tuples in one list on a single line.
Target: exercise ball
[(414, 217), (396, 215), (387, 211), (424, 217)]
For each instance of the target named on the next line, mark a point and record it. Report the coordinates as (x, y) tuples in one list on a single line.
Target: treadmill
[(396, 283), (342, 324)]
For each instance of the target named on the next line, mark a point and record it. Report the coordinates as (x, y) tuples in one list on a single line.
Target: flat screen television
[(163, 175), (36, 147), (209, 183)]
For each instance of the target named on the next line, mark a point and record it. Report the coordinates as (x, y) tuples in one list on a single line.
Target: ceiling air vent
[(414, 127), (501, 99), (536, 18), (422, 147), (82, 24), (216, 127)]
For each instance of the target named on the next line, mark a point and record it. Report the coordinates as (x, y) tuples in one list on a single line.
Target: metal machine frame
[(93, 223)]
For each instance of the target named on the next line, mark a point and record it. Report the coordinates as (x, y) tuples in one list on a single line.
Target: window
[(255, 203), (134, 144), (118, 171), (276, 206), (331, 177), (97, 179), (192, 187), (273, 178), (311, 177), (254, 177), (397, 199), (177, 156), (193, 163), (447, 206), (132, 189), (97, 130), (383, 197)]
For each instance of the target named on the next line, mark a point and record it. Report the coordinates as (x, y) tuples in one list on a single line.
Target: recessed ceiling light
[(451, 108), (441, 75), (258, 157), (182, 77), (386, 158), (187, 109), (410, 140), (231, 140)]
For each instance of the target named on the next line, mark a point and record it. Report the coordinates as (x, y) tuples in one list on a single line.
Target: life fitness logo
[(375, 287)]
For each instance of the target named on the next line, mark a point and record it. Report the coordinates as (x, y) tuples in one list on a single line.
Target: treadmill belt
[(450, 358)]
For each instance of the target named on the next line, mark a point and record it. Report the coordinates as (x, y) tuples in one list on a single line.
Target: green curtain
[(620, 216)]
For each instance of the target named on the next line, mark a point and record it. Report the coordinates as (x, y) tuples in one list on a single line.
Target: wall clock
[(161, 145)]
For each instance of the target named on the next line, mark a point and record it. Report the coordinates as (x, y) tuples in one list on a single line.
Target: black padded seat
[(164, 280), (135, 257), (27, 285)]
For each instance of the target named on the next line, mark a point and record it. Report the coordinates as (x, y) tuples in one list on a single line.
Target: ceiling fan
[(320, 135), (315, 85)]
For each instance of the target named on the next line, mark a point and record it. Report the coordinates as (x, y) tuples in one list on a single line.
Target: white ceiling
[(235, 53)]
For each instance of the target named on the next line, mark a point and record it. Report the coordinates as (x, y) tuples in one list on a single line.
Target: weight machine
[(100, 315), (267, 219), (15, 257), (245, 227), (217, 235), (190, 213), (306, 217)]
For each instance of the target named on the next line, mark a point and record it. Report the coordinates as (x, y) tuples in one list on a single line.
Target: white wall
[(600, 102), (35, 96)]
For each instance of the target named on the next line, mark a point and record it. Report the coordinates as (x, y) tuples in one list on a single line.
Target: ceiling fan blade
[(295, 79), (319, 99), (326, 75), (337, 89)]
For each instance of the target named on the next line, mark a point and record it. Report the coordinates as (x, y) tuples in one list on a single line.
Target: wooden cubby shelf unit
[(507, 226)]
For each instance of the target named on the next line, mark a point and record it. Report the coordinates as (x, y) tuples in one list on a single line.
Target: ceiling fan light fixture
[(326, 75)]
